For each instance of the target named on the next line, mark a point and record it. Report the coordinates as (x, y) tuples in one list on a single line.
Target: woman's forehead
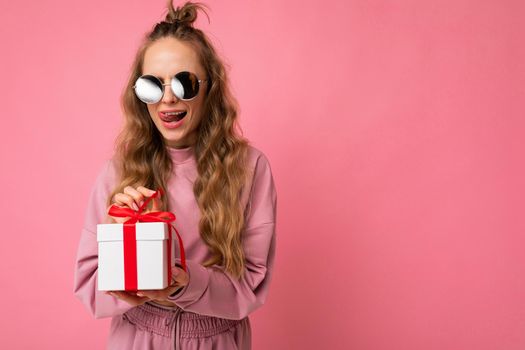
[(167, 57)]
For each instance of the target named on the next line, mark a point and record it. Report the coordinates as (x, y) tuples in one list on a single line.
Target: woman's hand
[(180, 279), (133, 198), (129, 297)]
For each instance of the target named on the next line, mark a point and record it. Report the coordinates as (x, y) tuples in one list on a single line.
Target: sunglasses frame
[(199, 81)]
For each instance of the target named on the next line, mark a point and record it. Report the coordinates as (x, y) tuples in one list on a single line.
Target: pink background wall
[(395, 134)]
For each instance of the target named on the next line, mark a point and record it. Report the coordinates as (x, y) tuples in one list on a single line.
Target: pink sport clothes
[(212, 310)]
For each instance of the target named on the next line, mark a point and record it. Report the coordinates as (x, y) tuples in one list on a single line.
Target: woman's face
[(163, 59)]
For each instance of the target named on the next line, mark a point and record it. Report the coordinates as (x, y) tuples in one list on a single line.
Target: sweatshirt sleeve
[(214, 292), (97, 302)]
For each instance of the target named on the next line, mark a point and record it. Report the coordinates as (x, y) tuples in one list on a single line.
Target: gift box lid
[(145, 231)]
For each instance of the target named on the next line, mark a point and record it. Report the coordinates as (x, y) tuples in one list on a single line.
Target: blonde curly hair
[(141, 157)]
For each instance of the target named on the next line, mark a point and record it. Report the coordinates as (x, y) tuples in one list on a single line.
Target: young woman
[(180, 135)]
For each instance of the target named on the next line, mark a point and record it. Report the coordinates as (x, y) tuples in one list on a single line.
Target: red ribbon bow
[(130, 237)]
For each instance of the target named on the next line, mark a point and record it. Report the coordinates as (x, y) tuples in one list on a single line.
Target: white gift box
[(152, 256)]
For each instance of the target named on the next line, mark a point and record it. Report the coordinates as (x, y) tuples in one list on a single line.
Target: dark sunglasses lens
[(185, 85), (148, 89)]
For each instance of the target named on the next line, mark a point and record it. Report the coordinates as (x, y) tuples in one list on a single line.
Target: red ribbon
[(130, 238)]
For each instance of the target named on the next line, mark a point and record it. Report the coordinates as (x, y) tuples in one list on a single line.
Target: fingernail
[(140, 294), (135, 206)]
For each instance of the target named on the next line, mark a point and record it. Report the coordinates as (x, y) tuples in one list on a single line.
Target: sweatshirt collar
[(180, 155)]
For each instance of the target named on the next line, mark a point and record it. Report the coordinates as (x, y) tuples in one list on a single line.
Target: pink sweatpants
[(153, 326)]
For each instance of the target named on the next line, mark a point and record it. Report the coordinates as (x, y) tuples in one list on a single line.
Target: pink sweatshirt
[(211, 291)]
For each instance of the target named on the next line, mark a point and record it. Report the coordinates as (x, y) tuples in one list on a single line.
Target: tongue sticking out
[(176, 118)]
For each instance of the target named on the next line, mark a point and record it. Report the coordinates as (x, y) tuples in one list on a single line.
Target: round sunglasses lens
[(148, 89), (177, 88), (185, 85)]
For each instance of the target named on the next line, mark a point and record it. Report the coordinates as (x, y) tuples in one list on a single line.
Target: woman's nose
[(168, 96)]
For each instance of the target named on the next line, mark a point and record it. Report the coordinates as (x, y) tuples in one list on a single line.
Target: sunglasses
[(150, 89)]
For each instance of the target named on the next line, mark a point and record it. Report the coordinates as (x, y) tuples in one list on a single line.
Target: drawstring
[(176, 317)]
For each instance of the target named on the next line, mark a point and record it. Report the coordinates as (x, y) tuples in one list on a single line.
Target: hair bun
[(185, 15)]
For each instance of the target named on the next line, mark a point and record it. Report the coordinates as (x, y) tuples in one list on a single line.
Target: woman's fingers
[(179, 276), (126, 199), (129, 298), (133, 198), (161, 294), (151, 294), (122, 200), (146, 192), (137, 196), (179, 279)]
